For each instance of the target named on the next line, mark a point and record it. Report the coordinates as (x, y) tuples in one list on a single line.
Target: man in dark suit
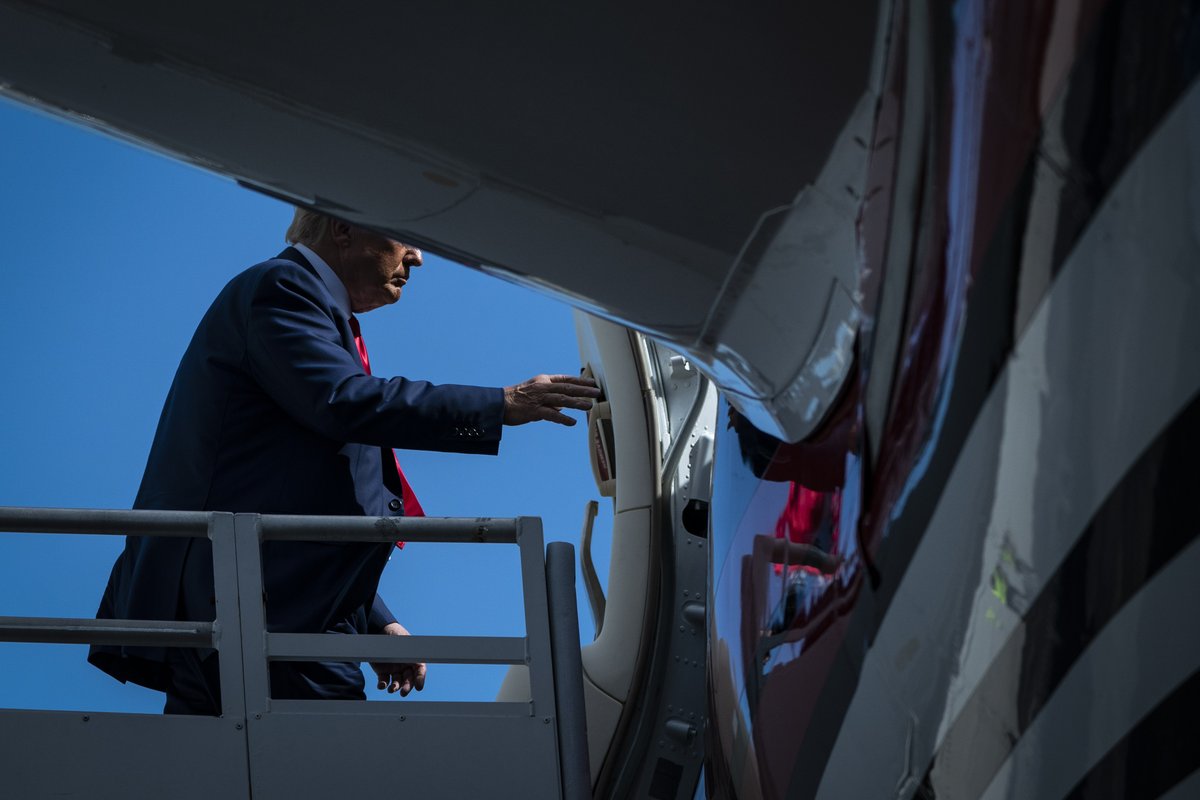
[(273, 410)]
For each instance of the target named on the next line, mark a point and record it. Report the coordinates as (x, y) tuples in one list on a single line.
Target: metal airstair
[(262, 748)]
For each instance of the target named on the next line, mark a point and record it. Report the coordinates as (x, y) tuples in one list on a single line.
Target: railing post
[(568, 672), (228, 622), (537, 631), (535, 749), (248, 535)]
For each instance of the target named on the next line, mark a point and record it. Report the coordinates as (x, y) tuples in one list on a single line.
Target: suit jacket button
[(395, 505)]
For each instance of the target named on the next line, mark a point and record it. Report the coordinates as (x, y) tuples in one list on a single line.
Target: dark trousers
[(195, 686)]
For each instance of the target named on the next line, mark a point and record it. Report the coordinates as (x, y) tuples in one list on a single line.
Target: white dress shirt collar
[(329, 277)]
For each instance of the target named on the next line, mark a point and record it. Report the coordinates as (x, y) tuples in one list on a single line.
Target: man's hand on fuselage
[(396, 677), (544, 396)]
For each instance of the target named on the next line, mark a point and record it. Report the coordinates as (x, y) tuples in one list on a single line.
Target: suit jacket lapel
[(296, 257)]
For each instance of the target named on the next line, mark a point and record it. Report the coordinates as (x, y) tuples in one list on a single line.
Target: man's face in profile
[(376, 269)]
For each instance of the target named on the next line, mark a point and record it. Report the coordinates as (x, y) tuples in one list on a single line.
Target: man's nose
[(412, 257)]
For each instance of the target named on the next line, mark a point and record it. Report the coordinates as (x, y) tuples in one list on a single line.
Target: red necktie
[(412, 506)]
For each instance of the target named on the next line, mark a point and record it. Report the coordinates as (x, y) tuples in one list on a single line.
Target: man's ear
[(341, 232)]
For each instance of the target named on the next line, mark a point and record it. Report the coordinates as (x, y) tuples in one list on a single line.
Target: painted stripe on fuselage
[(1144, 523), (1103, 364), (1113, 100), (1141, 667), (1186, 789), (1155, 758)]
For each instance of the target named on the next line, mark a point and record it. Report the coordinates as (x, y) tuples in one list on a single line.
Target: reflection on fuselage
[(787, 574), (897, 605)]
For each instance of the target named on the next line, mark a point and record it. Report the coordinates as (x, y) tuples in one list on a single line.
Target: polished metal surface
[(1007, 523)]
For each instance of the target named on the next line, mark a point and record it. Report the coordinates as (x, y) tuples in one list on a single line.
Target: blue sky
[(111, 254)]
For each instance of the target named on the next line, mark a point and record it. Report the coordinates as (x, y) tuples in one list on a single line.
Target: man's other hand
[(545, 396), (402, 678)]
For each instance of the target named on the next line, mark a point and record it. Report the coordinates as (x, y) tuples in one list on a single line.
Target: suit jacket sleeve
[(379, 617), (295, 351)]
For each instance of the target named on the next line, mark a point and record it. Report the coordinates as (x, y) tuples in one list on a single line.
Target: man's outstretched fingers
[(578, 380), (420, 682), (567, 401), (554, 415), (544, 396), (574, 386)]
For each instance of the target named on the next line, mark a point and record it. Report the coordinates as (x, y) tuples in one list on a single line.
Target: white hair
[(308, 227)]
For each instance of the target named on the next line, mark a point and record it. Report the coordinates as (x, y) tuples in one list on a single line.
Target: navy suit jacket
[(271, 412)]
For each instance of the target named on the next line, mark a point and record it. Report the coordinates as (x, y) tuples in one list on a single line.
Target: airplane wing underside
[(694, 175)]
